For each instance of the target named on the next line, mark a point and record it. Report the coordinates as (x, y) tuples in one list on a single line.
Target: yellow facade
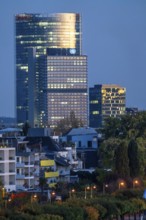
[(52, 184), (47, 163), (51, 174)]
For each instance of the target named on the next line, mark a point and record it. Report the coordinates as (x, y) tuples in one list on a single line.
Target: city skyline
[(51, 71), (114, 39)]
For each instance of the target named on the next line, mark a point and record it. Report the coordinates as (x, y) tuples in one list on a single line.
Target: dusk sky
[(114, 39)]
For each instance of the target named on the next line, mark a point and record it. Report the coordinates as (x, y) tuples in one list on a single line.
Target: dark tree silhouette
[(122, 161), (133, 158), (25, 128)]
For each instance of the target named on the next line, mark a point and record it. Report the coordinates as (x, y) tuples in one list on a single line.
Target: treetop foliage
[(127, 126), (124, 146), (68, 123)]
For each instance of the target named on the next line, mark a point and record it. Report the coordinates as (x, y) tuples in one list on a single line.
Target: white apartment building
[(8, 167), (24, 170)]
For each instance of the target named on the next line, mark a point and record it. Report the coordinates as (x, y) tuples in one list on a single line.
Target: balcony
[(64, 172), (12, 171), (11, 183), (20, 176), (27, 164), (29, 175), (36, 175), (19, 165), (1, 158), (51, 174), (11, 158)]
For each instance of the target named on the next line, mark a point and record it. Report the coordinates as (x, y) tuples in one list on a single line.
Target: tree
[(133, 158), (130, 129), (125, 126), (67, 123), (42, 183), (111, 127), (122, 161), (25, 128), (92, 213), (106, 152), (141, 154)]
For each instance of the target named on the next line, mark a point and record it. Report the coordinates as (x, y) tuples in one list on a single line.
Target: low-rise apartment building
[(7, 167)]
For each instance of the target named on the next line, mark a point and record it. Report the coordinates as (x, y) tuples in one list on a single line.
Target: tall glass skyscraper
[(51, 72)]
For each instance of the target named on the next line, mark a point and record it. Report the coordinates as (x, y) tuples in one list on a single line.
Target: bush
[(92, 213)]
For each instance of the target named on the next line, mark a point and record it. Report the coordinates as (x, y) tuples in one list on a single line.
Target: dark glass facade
[(105, 101), (38, 37), (95, 106)]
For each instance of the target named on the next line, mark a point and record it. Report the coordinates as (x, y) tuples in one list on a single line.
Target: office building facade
[(65, 88), (51, 72), (105, 101)]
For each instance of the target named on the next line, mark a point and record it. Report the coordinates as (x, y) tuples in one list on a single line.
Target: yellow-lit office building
[(105, 101)]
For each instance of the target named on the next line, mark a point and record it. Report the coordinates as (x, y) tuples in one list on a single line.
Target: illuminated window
[(95, 112), (94, 101)]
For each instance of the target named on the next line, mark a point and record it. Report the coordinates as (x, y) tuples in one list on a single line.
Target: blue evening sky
[(114, 38)]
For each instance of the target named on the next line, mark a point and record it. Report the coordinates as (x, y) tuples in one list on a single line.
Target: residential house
[(85, 141)]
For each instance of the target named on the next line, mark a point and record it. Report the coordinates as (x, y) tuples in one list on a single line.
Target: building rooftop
[(82, 131), (45, 142), (9, 130)]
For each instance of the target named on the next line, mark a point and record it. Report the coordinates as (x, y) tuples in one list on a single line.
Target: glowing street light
[(135, 183), (92, 188), (121, 184), (52, 195), (105, 186), (86, 188), (34, 198), (72, 191)]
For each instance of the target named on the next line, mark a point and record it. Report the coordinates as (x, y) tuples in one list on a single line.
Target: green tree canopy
[(126, 126), (67, 123), (122, 161), (133, 158), (106, 152)]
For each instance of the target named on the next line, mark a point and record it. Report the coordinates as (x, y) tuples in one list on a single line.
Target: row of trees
[(111, 207), (123, 149), (62, 126), (68, 123), (126, 126)]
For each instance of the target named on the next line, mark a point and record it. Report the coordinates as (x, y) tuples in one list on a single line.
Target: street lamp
[(105, 186), (135, 183), (3, 192), (52, 196), (4, 197), (34, 198), (121, 184), (72, 191), (86, 188), (92, 188)]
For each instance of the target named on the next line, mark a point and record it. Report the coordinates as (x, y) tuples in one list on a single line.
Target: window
[(79, 144), (89, 144)]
